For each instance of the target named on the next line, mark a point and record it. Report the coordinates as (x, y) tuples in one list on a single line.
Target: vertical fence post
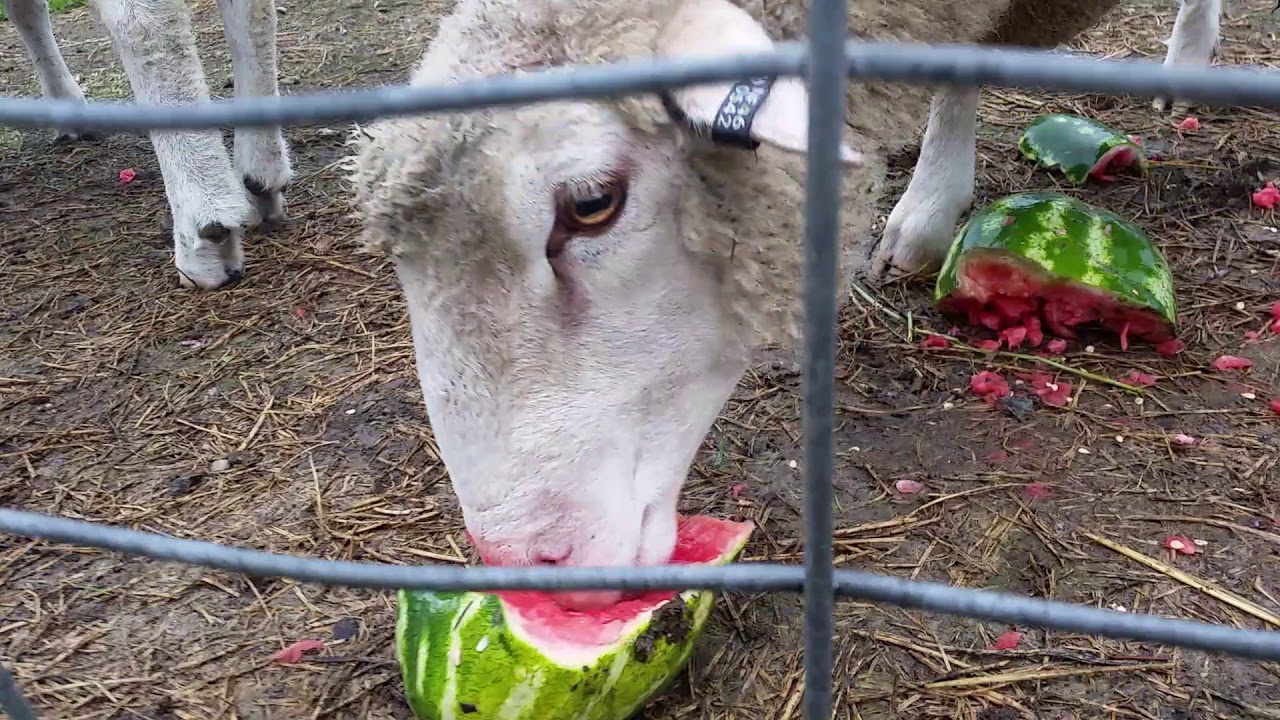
[(828, 21), (12, 703)]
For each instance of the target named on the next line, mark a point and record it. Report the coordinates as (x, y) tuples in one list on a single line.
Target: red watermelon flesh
[(1000, 293), (699, 540), (1115, 159)]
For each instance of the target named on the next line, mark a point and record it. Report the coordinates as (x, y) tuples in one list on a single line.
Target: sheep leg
[(261, 154), (31, 17), (922, 224), (155, 44), (1194, 41)]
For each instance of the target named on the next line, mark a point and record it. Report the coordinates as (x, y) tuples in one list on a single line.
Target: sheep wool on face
[(571, 370), (587, 280)]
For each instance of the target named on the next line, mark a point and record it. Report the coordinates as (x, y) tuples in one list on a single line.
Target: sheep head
[(586, 279)]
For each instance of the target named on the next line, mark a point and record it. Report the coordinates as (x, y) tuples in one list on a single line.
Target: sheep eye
[(592, 214)]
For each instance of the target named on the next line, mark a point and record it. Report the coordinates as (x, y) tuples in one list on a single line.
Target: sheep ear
[(746, 113)]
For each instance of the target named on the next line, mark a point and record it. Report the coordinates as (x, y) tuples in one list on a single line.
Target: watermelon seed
[(1248, 396), (1084, 451), (1137, 401), (1119, 438), (467, 708), (484, 643), (1240, 305)]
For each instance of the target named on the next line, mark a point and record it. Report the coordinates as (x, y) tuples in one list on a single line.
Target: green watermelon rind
[(1065, 240), (499, 673), (1073, 144)]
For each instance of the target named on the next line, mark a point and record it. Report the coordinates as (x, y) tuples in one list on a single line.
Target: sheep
[(1195, 40), (587, 281), (211, 206)]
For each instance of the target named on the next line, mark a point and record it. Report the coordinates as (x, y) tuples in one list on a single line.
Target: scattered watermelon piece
[(1013, 336), (737, 489), (934, 341), (1267, 197), (988, 345), (1180, 544), (1184, 439), (293, 653), (1232, 362), (1057, 346), (1081, 148), (1140, 379), (1037, 491), (996, 457), (1007, 641), (1274, 404), (1189, 123), (127, 176), (1056, 393), (990, 386), (519, 654), (1169, 348), (1252, 334), (1063, 264), (908, 486)]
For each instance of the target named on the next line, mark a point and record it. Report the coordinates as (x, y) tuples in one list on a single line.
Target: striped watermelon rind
[(1061, 240), (471, 655), (1079, 147)]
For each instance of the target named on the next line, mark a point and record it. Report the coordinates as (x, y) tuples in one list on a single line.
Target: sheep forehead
[(569, 141), (488, 37), (534, 149)]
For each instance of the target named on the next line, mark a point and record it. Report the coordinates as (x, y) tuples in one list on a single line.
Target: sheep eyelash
[(589, 188)]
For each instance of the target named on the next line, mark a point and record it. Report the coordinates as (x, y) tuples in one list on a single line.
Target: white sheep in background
[(1194, 41), (212, 203), (586, 280)]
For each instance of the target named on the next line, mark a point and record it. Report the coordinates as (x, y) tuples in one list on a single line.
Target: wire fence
[(828, 60)]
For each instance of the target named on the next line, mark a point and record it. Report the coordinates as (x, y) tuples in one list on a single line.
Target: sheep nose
[(549, 555)]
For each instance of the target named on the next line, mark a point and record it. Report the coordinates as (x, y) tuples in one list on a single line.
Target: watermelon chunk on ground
[(1081, 148), (520, 656), (1042, 260)]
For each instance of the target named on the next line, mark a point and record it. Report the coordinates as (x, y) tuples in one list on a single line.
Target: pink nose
[(496, 553), (546, 554)]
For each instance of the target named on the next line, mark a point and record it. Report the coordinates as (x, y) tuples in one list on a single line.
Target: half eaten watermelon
[(520, 656), (1081, 148), (1041, 260)]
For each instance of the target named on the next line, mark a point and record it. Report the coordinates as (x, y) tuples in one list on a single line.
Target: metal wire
[(827, 30), (964, 65), (933, 597), (918, 64)]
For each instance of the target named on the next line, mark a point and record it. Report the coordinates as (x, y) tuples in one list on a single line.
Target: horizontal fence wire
[(919, 64), (912, 63), (934, 597)]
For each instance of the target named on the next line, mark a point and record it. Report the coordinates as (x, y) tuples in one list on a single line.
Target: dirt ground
[(285, 415)]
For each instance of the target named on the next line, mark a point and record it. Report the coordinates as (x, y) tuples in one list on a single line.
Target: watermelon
[(1043, 261), (1081, 148), (518, 655)]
